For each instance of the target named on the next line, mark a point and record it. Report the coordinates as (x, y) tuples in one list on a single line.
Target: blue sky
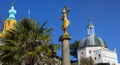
[(105, 15)]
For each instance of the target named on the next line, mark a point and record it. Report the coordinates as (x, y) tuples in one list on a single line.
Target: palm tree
[(28, 44), (8, 53)]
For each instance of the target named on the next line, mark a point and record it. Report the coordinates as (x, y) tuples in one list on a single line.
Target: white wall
[(85, 52), (99, 55), (106, 56)]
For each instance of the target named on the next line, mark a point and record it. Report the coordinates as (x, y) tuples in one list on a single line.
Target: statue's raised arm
[(66, 22)]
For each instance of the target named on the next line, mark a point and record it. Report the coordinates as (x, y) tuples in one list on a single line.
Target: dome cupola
[(91, 40), (12, 12)]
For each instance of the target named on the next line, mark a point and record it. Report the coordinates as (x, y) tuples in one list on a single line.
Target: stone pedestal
[(65, 49)]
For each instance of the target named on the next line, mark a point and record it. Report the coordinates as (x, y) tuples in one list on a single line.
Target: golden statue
[(66, 22)]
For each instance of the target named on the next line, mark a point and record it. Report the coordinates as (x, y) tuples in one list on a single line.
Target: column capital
[(65, 37)]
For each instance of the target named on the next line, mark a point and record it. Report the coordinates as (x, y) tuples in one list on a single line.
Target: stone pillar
[(65, 49)]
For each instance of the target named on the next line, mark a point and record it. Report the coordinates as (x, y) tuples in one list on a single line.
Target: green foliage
[(74, 48), (28, 44)]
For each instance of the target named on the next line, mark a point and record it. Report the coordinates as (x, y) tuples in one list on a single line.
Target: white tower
[(91, 31), (91, 28)]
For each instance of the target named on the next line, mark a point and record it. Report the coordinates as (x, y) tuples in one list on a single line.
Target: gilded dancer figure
[(66, 22)]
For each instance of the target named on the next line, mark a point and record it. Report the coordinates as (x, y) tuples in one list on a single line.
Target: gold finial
[(103, 46)]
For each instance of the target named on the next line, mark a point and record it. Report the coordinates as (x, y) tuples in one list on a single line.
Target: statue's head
[(65, 10)]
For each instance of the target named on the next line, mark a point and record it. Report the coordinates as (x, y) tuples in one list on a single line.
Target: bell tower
[(10, 21), (91, 28), (91, 32)]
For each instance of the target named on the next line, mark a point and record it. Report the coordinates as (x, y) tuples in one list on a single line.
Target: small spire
[(90, 22), (90, 19), (12, 12), (12, 4), (29, 14), (90, 27)]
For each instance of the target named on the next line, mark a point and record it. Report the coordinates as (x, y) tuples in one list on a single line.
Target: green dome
[(91, 41)]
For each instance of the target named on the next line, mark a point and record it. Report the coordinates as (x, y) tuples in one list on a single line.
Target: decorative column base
[(65, 49)]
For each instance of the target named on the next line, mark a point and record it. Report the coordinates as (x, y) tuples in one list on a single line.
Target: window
[(95, 58), (90, 51), (8, 23), (99, 55), (82, 53)]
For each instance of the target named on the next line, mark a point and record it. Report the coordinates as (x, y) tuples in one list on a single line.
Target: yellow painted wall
[(8, 24)]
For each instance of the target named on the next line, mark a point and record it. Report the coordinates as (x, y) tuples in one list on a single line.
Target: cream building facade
[(95, 47)]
